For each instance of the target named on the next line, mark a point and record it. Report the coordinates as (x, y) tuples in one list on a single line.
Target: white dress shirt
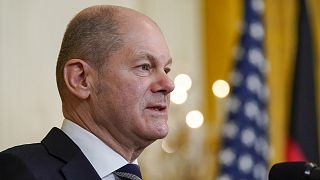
[(103, 159)]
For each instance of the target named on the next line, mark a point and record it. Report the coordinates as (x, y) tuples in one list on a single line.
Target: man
[(112, 79)]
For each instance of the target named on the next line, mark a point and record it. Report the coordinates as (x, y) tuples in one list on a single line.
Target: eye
[(167, 70), (145, 67)]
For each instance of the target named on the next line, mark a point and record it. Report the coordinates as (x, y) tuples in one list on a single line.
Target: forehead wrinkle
[(150, 57)]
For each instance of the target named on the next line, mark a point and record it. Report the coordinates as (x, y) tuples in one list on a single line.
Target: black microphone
[(294, 171)]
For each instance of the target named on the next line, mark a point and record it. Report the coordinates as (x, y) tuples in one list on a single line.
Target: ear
[(78, 76)]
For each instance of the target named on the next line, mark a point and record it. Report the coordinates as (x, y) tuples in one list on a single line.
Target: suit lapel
[(77, 166), (79, 169)]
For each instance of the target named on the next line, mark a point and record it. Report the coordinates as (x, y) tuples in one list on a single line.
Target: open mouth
[(157, 108)]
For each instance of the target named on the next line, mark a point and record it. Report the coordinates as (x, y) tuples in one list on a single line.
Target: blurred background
[(246, 75)]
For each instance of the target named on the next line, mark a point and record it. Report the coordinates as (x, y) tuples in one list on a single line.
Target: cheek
[(132, 94), (135, 88), (127, 92)]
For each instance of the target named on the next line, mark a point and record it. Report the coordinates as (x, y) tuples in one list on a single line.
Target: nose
[(163, 84)]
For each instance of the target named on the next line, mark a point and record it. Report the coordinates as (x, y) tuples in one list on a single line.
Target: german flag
[(303, 143)]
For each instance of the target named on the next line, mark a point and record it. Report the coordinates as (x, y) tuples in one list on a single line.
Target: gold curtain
[(222, 21), (281, 23)]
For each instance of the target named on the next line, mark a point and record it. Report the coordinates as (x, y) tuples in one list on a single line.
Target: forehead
[(141, 37), (146, 39)]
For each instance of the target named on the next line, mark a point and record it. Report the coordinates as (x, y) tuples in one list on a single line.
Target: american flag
[(245, 148)]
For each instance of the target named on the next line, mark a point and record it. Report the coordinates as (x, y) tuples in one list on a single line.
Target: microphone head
[(290, 170)]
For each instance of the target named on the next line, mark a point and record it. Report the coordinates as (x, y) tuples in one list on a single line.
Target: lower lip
[(154, 110)]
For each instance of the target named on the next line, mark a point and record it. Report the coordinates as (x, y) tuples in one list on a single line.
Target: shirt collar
[(104, 159)]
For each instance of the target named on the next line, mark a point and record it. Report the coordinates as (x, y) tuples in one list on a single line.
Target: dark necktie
[(128, 172)]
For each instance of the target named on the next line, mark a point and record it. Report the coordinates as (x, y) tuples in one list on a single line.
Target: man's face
[(132, 96)]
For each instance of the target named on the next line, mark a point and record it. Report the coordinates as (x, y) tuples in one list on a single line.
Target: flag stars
[(248, 137), (263, 120), (251, 110), (256, 31), (260, 172), (234, 104), (265, 151), (256, 58), (245, 163), (262, 148), (230, 130), (227, 157), (257, 6), (254, 84), (259, 145), (237, 78)]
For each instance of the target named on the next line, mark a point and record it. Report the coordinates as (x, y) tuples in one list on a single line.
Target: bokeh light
[(194, 119), (166, 147), (220, 88), (183, 81), (178, 95)]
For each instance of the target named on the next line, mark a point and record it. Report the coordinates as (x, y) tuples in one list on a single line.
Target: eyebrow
[(151, 58)]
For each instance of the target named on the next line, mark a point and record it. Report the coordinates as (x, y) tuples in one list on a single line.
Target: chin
[(156, 129), (161, 132)]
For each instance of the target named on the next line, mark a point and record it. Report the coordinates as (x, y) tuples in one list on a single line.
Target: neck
[(128, 151), (115, 140)]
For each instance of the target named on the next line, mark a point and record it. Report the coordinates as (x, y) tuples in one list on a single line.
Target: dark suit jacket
[(57, 157)]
